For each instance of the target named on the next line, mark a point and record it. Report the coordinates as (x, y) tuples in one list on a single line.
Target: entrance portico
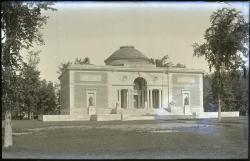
[(140, 96)]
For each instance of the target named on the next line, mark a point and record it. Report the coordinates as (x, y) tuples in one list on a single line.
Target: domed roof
[(127, 54)]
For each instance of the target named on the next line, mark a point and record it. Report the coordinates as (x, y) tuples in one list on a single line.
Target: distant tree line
[(65, 65), (166, 62), (34, 96), (234, 95)]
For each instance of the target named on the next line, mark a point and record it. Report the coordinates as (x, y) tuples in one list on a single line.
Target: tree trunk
[(7, 130), (221, 70), (219, 110)]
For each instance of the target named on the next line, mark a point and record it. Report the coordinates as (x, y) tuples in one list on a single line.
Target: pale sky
[(97, 29)]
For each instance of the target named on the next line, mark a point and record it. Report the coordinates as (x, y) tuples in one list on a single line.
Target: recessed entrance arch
[(140, 92)]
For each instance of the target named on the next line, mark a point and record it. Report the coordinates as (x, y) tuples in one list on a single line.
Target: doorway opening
[(155, 97), (140, 92), (124, 98)]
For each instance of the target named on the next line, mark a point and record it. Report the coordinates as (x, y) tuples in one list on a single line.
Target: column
[(120, 98), (152, 99), (127, 98), (118, 95), (132, 99), (160, 95), (142, 93), (148, 98)]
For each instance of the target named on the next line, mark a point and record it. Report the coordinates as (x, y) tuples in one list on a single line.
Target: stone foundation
[(215, 114), (64, 117), (128, 116)]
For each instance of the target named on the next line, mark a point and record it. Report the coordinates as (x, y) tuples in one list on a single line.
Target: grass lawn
[(205, 138)]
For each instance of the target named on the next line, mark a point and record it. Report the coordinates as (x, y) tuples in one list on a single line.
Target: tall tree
[(31, 84), (20, 28), (225, 46)]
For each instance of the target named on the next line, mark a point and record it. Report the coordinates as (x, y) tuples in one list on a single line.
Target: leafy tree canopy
[(226, 40), (20, 29), (225, 47)]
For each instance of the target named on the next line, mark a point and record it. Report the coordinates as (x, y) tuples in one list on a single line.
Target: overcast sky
[(96, 30)]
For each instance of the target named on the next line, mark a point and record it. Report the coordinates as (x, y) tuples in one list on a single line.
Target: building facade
[(130, 84)]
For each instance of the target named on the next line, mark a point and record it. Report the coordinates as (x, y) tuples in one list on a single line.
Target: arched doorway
[(140, 92)]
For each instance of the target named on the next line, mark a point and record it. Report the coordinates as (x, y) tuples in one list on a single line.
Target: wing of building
[(130, 85)]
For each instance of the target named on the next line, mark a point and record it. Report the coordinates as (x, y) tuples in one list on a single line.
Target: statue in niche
[(186, 100), (91, 101)]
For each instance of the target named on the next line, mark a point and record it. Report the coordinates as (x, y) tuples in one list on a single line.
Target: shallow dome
[(127, 55)]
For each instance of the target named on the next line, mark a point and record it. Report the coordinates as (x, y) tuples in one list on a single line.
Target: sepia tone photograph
[(125, 80)]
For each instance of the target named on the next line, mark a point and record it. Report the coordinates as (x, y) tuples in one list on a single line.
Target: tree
[(179, 65), (208, 97), (38, 97), (225, 46), (235, 92), (165, 62), (58, 103), (65, 65), (31, 84), (20, 28), (19, 97), (47, 99), (235, 95)]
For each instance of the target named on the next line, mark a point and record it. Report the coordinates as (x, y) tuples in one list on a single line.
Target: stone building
[(130, 85)]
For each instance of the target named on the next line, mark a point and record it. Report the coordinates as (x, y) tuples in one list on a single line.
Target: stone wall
[(80, 96), (215, 114), (64, 117), (106, 84), (82, 81), (180, 82)]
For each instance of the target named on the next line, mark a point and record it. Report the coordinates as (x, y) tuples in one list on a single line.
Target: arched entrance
[(140, 93)]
